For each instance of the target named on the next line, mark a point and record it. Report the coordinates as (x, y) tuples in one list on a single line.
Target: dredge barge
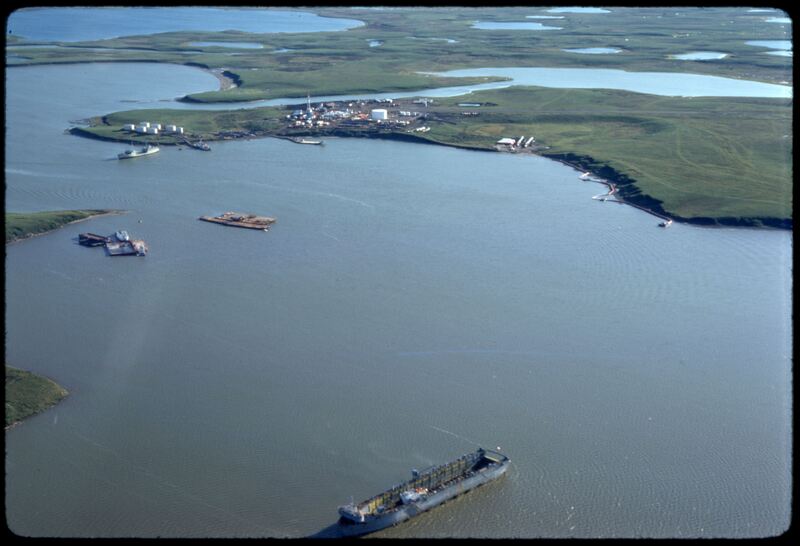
[(424, 491), (242, 220)]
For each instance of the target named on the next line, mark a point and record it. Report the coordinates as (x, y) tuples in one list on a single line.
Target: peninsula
[(705, 160), (22, 225), (28, 394)]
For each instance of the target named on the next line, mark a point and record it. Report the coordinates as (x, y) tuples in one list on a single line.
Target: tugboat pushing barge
[(424, 491)]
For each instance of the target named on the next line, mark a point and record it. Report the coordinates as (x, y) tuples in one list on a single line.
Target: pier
[(113, 246), (241, 220)]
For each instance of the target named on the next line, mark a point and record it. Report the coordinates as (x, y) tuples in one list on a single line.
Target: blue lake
[(236, 45), (490, 25), (594, 50), (79, 24), (774, 44), (657, 83), (578, 10), (700, 56)]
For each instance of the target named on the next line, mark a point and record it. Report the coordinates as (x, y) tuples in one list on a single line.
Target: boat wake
[(473, 442)]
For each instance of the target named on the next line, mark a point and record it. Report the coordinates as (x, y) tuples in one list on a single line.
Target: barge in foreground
[(424, 491)]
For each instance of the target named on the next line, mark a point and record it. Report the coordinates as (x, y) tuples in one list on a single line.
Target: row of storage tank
[(147, 128)]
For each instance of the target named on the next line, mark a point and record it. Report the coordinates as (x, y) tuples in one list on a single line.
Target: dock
[(114, 246), (135, 247), (92, 239), (200, 145), (241, 220)]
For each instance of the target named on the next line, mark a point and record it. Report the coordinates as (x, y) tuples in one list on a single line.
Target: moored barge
[(424, 491), (242, 220)]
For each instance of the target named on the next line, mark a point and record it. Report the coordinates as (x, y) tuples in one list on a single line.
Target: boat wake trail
[(473, 442)]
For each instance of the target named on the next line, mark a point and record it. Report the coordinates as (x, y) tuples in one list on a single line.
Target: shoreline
[(620, 183), (57, 393), (32, 235)]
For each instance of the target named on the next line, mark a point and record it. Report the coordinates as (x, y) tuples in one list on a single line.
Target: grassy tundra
[(20, 225), (28, 394), (709, 160)]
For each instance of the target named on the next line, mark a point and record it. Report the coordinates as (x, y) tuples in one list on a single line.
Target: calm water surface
[(78, 24), (412, 302), (700, 56), (510, 25), (578, 10), (236, 45), (774, 44), (657, 83), (594, 50)]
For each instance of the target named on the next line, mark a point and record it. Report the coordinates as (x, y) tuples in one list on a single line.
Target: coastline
[(32, 235), (626, 192), (33, 393)]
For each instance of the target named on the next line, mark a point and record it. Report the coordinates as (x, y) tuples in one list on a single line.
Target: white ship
[(147, 150)]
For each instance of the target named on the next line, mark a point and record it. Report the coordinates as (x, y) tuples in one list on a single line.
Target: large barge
[(424, 491), (242, 220)]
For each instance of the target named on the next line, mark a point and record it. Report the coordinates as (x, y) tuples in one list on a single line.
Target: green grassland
[(28, 394), (325, 63), (689, 158), (20, 225), (707, 159), (718, 158)]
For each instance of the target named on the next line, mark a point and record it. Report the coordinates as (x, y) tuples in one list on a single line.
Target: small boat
[(122, 235), (147, 150), (665, 223), (585, 176)]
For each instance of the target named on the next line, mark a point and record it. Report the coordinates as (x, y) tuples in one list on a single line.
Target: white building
[(379, 114), (507, 141)]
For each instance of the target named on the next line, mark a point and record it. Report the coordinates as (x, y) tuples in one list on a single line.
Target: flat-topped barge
[(242, 220), (424, 491)]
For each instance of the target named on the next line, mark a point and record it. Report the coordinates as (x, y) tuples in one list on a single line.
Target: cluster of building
[(352, 113), (148, 128), (516, 143)]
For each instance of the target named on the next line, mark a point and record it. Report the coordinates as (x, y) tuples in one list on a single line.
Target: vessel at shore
[(307, 141), (147, 150), (424, 491), (242, 220)]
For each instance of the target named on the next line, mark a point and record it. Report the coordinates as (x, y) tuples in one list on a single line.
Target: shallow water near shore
[(412, 302)]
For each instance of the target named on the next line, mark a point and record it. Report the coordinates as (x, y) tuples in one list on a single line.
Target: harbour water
[(411, 303)]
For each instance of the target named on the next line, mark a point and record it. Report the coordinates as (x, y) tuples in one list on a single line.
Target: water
[(510, 25), (578, 10), (544, 16), (781, 20), (657, 83), (80, 24), (594, 50), (700, 56), (411, 302), (237, 45), (774, 44)]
